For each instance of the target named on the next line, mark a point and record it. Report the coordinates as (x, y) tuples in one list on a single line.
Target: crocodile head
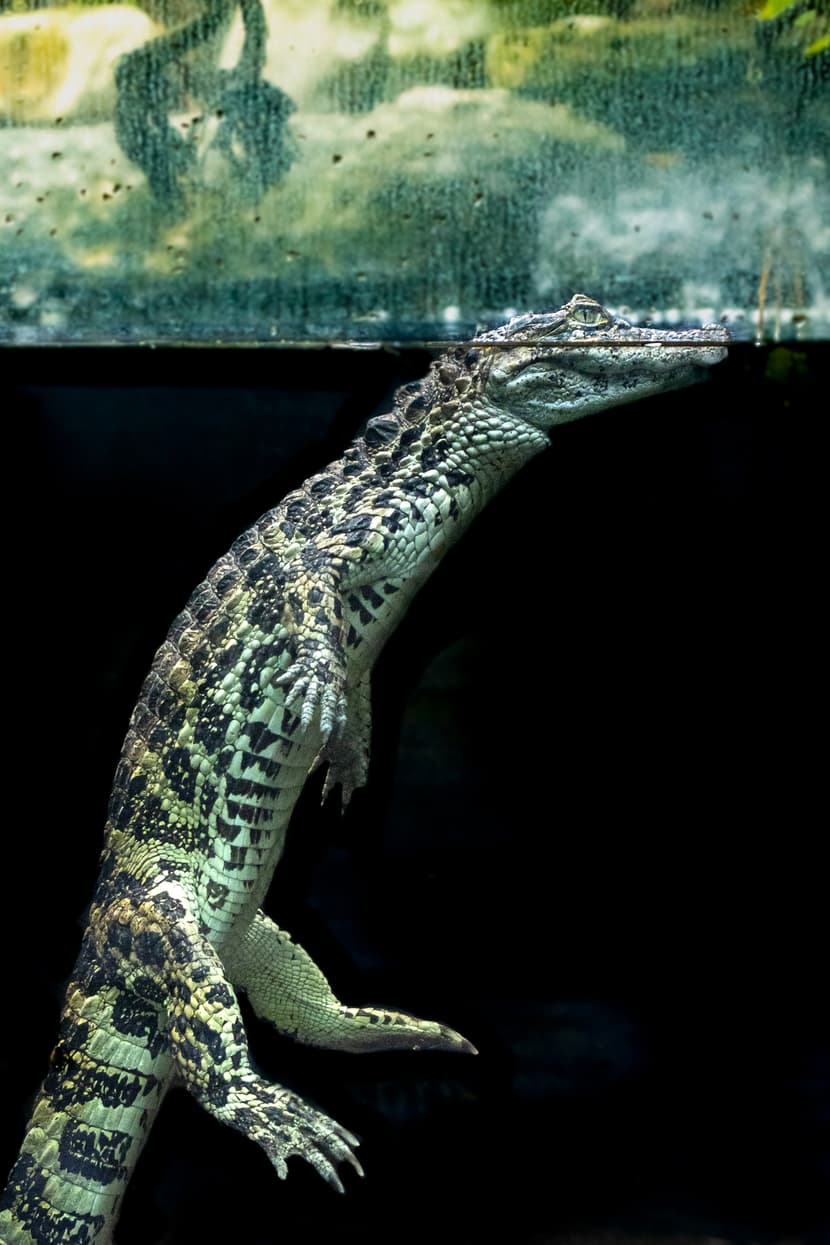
[(551, 367)]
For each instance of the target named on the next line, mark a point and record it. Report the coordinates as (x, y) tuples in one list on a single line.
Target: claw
[(352, 1158), (331, 1177), (331, 1174), (318, 683), (348, 1137), (312, 1136), (355, 1162)]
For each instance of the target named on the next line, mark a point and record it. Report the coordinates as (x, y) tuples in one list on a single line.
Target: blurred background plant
[(811, 22)]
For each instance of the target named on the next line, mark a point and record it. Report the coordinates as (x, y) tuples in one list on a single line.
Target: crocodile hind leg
[(286, 987), (151, 941)]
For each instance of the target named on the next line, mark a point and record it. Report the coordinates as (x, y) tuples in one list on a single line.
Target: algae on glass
[(294, 170)]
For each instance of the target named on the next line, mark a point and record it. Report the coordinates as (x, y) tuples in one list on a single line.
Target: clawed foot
[(317, 679), (292, 1127), (348, 765), (362, 1029)]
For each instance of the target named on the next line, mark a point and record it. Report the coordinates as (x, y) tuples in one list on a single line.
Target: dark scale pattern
[(264, 672), (148, 989), (143, 815), (150, 948), (222, 658), (218, 633), (381, 431), (245, 787), (209, 730), (261, 738), (262, 612), (93, 1153), (217, 894), (46, 1224), (264, 575), (136, 1018), (112, 1087), (180, 773)]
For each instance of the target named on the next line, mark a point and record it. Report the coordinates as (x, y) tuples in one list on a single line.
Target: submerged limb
[(287, 988), (152, 942), (347, 752), (315, 681)]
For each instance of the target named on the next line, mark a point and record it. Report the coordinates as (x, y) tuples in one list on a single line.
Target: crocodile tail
[(107, 1077)]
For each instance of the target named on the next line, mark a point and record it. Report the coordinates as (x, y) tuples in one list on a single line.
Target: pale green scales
[(264, 676)]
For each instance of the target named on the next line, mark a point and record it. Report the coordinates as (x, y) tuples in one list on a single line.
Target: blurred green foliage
[(809, 20)]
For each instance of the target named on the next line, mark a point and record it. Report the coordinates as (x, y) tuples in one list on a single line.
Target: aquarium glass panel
[(292, 171)]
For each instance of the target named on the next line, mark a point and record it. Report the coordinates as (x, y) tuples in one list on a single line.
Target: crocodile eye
[(590, 317)]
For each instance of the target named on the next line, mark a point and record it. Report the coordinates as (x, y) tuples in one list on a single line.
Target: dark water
[(591, 839)]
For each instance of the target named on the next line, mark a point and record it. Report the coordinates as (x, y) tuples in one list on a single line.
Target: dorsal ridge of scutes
[(450, 377)]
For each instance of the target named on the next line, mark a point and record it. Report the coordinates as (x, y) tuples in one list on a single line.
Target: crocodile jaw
[(552, 368)]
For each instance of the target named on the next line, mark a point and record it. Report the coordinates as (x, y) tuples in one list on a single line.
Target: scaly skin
[(262, 677)]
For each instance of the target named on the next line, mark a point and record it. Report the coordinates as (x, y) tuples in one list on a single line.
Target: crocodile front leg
[(347, 752), (316, 678), (320, 582), (287, 988)]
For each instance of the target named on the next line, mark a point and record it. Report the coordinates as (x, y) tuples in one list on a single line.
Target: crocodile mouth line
[(588, 343)]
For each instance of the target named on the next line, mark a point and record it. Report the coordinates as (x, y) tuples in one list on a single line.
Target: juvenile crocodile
[(262, 677)]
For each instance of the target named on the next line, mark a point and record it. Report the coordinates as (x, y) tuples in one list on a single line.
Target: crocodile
[(263, 677)]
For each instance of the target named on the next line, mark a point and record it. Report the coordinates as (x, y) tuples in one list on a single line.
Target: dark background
[(591, 838)]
